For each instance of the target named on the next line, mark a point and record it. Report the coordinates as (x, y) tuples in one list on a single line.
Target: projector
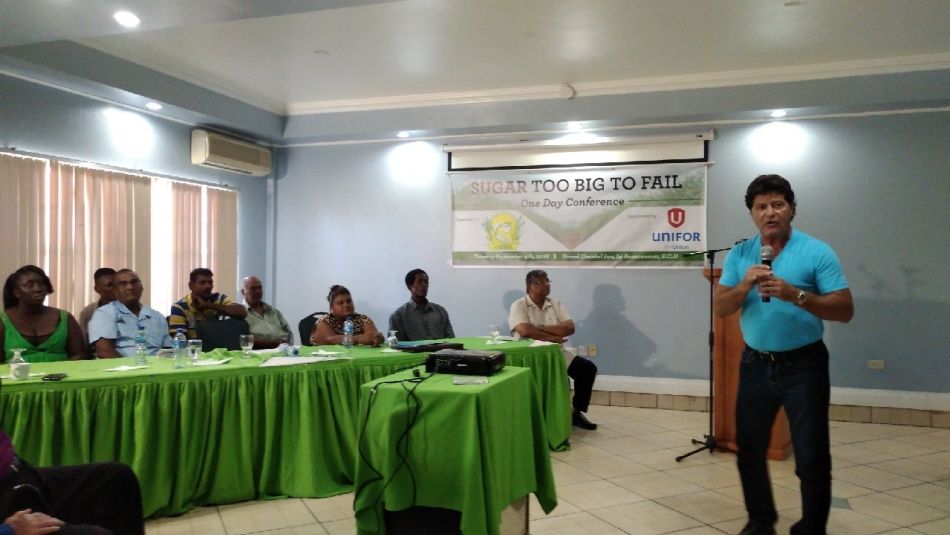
[(465, 362)]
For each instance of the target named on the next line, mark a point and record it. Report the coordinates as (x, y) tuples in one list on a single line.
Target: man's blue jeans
[(800, 384)]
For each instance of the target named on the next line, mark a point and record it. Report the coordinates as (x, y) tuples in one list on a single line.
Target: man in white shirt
[(539, 317), (114, 327)]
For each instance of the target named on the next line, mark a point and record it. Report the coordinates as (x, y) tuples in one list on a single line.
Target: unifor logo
[(676, 217), (503, 232)]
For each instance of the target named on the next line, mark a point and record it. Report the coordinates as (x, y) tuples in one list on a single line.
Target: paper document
[(124, 368), (33, 374), (291, 361), (324, 352), (538, 343), (469, 380), (264, 351), (212, 362)]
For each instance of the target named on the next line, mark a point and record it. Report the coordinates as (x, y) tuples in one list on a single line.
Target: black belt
[(785, 356)]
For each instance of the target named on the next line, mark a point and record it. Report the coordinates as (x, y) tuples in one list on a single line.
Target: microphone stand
[(709, 440)]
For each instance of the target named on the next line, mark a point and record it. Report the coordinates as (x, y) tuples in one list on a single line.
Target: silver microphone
[(767, 254)]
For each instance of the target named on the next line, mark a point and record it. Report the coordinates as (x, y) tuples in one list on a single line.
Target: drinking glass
[(194, 348), (19, 368), (493, 333), (247, 343), (391, 340)]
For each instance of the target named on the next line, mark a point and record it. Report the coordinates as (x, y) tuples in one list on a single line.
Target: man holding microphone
[(786, 283)]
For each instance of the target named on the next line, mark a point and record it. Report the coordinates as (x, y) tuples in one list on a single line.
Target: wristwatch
[(800, 300)]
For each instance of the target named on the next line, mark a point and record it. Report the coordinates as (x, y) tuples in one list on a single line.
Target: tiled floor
[(622, 479)]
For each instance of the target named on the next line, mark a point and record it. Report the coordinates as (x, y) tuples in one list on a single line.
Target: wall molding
[(770, 75), (862, 397)]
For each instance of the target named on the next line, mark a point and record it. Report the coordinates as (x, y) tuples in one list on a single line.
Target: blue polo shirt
[(115, 321), (806, 263)]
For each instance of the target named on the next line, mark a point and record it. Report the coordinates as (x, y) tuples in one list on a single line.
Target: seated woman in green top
[(46, 333)]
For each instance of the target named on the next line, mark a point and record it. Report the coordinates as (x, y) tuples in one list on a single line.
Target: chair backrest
[(306, 325), (226, 333)]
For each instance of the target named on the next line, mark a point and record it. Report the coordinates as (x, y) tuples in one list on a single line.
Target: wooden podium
[(727, 350)]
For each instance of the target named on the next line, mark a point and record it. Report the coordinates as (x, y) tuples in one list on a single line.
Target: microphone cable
[(402, 453)]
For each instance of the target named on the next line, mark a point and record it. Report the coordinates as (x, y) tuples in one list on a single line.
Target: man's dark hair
[(336, 290), (769, 184), (411, 276), (199, 272), (103, 272), (534, 274), (10, 300)]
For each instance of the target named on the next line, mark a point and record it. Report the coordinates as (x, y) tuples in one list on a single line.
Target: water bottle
[(348, 333), (19, 368), (180, 347), (289, 350), (141, 348)]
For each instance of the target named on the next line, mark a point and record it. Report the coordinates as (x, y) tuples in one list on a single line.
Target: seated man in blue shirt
[(113, 327), (420, 319)]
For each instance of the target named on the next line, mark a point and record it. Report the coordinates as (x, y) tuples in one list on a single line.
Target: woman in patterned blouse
[(329, 330)]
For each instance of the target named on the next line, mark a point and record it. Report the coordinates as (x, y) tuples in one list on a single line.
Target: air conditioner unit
[(210, 149)]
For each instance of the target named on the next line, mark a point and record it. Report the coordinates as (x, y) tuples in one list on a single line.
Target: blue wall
[(44, 120), (873, 187)]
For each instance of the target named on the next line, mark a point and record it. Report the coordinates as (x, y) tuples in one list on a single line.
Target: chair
[(226, 333), (306, 325)]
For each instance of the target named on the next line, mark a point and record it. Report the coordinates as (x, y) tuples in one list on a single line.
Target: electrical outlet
[(876, 364), (592, 349)]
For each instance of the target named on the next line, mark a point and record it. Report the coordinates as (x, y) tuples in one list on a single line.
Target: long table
[(221, 434), (473, 448)]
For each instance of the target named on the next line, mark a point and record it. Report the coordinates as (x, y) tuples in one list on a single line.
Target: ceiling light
[(575, 126), (403, 134), (154, 106), (126, 18), (778, 114)]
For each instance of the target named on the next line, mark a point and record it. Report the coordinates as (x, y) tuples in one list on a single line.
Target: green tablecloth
[(472, 448), (228, 433), (550, 377)]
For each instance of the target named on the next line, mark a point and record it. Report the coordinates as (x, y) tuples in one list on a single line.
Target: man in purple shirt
[(87, 499)]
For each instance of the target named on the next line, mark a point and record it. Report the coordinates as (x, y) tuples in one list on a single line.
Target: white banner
[(641, 216)]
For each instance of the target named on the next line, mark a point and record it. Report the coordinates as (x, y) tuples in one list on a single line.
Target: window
[(71, 219)]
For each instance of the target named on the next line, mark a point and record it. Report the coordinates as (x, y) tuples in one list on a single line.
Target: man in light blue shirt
[(785, 284), (113, 327)]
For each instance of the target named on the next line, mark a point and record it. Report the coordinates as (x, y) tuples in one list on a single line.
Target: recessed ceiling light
[(154, 106), (126, 18), (778, 114), (403, 134)]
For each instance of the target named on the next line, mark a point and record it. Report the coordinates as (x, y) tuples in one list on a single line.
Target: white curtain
[(221, 225), (98, 218), (22, 220)]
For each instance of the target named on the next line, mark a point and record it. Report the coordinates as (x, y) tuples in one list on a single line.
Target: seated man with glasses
[(539, 317), (113, 328)]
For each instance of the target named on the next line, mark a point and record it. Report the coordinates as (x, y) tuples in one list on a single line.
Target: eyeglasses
[(542, 282)]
